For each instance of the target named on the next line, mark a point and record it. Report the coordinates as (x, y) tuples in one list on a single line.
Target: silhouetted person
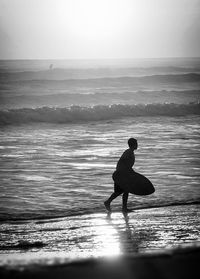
[(124, 165)]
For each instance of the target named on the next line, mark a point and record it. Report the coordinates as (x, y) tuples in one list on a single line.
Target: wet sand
[(147, 243), (182, 263)]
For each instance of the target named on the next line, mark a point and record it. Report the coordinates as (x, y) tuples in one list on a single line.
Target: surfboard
[(133, 182)]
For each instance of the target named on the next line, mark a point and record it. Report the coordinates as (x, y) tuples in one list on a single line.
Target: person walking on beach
[(124, 167)]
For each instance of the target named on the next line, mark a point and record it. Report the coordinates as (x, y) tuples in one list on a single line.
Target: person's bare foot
[(107, 206), (126, 210)]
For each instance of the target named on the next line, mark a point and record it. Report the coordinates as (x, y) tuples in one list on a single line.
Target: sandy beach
[(146, 243)]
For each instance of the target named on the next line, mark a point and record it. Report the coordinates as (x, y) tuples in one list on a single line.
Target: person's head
[(132, 143)]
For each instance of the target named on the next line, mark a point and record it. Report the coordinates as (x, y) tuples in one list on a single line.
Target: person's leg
[(124, 201), (114, 196), (110, 199)]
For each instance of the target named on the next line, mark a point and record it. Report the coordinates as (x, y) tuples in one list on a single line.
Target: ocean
[(65, 123)]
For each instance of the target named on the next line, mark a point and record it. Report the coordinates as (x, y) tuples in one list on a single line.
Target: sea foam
[(75, 114)]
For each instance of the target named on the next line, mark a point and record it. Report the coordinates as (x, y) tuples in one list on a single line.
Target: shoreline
[(98, 211)]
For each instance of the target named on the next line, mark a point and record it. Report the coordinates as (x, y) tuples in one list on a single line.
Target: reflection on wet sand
[(118, 234), (130, 238), (144, 231)]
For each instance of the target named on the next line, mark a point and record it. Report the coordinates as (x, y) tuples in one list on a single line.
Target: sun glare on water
[(106, 238)]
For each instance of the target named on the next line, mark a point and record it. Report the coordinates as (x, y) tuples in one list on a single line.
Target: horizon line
[(98, 59)]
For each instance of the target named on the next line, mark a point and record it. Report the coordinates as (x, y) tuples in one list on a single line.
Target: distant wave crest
[(25, 79), (103, 73), (75, 114)]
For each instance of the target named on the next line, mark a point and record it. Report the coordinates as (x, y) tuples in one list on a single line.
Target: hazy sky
[(50, 29)]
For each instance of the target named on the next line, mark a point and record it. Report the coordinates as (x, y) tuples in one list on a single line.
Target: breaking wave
[(76, 114), (99, 81)]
